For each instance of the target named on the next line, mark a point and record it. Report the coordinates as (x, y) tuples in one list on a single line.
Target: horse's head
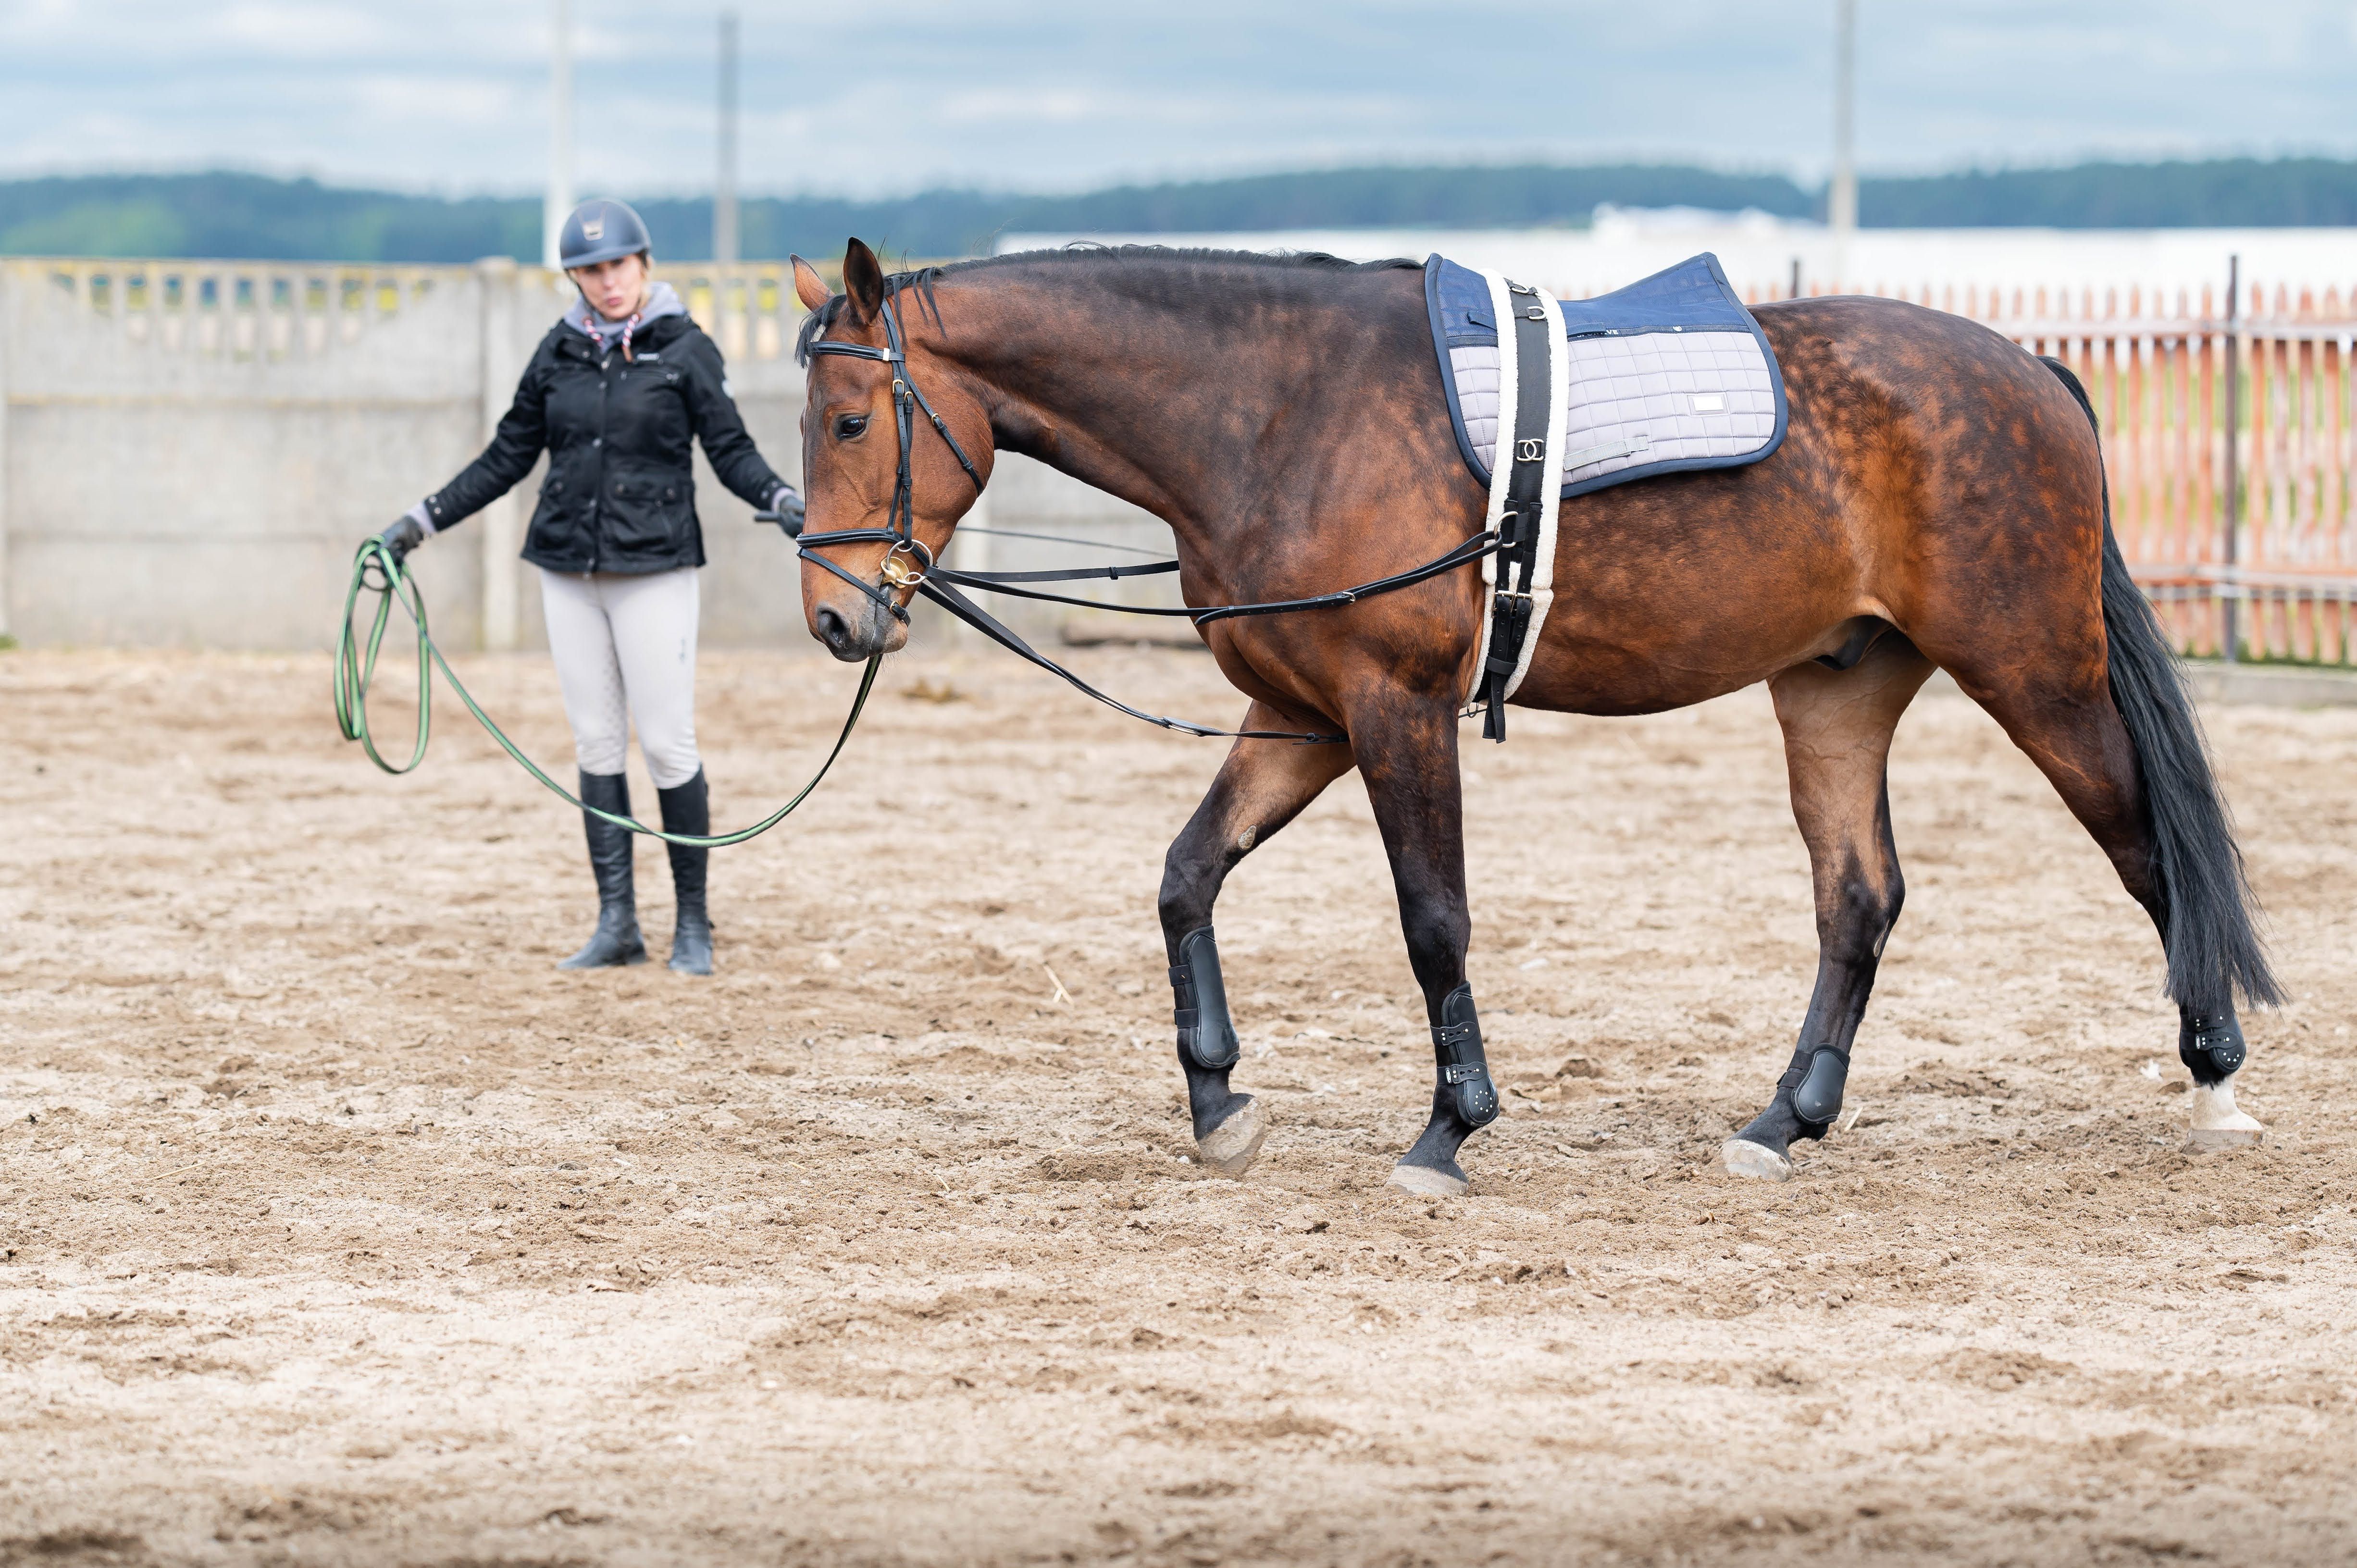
[(875, 465)]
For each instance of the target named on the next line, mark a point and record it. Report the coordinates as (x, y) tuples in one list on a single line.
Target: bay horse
[(1939, 502)]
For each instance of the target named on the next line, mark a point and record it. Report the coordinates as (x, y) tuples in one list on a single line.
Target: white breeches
[(625, 649)]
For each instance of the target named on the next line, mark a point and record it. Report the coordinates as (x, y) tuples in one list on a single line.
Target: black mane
[(921, 280)]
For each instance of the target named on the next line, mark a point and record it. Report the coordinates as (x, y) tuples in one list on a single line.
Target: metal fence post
[(2231, 648), (7, 329), (502, 578)]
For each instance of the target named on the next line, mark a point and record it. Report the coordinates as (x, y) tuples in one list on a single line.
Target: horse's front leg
[(1263, 785), (1407, 750)]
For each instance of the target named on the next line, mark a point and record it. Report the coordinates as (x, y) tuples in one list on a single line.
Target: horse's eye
[(847, 427)]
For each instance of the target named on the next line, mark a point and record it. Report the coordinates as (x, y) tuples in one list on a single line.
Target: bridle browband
[(940, 584), (901, 522)]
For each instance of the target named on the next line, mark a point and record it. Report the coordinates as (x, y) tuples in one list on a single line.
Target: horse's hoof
[(1743, 1157), (1423, 1181), (1230, 1147), (2218, 1125)]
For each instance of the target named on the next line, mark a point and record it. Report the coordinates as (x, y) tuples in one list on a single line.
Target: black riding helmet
[(599, 231)]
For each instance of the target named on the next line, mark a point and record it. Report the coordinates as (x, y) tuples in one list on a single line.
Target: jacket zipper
[(597, 513)]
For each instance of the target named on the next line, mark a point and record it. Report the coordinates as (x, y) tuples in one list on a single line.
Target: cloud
[(1064, 95)]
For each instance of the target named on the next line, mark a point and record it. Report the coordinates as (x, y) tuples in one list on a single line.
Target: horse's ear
[(809, 288), (863, 280)]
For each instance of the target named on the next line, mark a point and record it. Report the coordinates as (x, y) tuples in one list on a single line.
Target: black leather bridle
[(901, 522)]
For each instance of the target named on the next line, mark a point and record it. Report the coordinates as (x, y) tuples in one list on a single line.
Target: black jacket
[(620, 495)]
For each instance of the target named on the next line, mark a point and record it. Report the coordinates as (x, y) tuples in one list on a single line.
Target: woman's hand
[(402, 537), (786, 506)]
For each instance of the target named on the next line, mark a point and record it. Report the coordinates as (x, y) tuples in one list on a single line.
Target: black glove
[(786, 509), (404, 536)]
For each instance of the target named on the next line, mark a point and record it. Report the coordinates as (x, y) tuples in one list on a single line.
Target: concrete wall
[(190, 450)]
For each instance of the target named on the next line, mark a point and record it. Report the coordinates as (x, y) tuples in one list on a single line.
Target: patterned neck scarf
[(595, 321), (662, 300)]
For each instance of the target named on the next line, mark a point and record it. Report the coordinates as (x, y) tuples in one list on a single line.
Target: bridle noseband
[(909, 561)]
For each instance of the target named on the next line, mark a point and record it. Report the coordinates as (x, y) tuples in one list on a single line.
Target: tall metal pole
[(724, 187), (6, 350), (1841, 196), (2232, 502), (558, 203)]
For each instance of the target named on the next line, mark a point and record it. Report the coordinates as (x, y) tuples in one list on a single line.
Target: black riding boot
[(615, 940), (687, 808)]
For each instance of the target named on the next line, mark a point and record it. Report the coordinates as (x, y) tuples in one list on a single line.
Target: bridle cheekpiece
[(907, 562)]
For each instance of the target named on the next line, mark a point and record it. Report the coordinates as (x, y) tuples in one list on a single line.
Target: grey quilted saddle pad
[(1667, 375)]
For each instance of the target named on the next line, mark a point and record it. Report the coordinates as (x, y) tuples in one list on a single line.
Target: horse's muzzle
[(856, 627)]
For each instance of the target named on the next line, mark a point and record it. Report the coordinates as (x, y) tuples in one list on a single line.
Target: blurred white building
[(1760, 253)]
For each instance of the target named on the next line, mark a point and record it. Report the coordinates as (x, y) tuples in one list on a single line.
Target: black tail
[(2214, 944)]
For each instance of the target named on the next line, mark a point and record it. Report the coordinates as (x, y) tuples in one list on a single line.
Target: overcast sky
[(452, 95)]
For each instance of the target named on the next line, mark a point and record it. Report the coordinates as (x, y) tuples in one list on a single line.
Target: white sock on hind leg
[(2216, 1123)]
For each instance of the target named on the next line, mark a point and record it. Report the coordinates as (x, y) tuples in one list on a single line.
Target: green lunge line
[(375, 570)]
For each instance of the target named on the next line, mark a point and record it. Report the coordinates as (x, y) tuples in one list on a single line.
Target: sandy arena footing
[(338, 1227)]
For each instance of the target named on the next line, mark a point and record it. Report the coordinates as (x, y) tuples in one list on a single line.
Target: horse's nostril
[(833, 628)]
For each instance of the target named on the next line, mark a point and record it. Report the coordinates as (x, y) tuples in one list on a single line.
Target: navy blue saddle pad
[(1669, 374)]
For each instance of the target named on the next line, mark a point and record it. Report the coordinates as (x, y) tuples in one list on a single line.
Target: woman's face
[(614, 289)]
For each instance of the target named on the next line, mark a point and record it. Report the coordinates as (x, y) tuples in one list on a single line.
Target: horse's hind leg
[(2101, 705), (1263, 785), (2076, 735), (1837, 729)]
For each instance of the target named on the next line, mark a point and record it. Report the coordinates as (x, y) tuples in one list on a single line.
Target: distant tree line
[(245, 215), (2224, 193), (253, 216)]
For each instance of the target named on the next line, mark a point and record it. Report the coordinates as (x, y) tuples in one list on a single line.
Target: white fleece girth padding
[(1508, 373)]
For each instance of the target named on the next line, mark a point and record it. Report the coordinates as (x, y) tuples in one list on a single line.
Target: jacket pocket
[(555, 530), (646, 513)]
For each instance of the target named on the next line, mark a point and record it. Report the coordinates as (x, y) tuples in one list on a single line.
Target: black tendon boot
[(615, 940), (687, 808), (1464, 1102)]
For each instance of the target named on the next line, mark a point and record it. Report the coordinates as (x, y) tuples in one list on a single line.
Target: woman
[(615, 393)]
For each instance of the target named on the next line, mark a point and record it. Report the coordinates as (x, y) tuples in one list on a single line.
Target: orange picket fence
[(2229, 438)]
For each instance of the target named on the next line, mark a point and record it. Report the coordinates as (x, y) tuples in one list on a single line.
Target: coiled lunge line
[(375, 570)]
